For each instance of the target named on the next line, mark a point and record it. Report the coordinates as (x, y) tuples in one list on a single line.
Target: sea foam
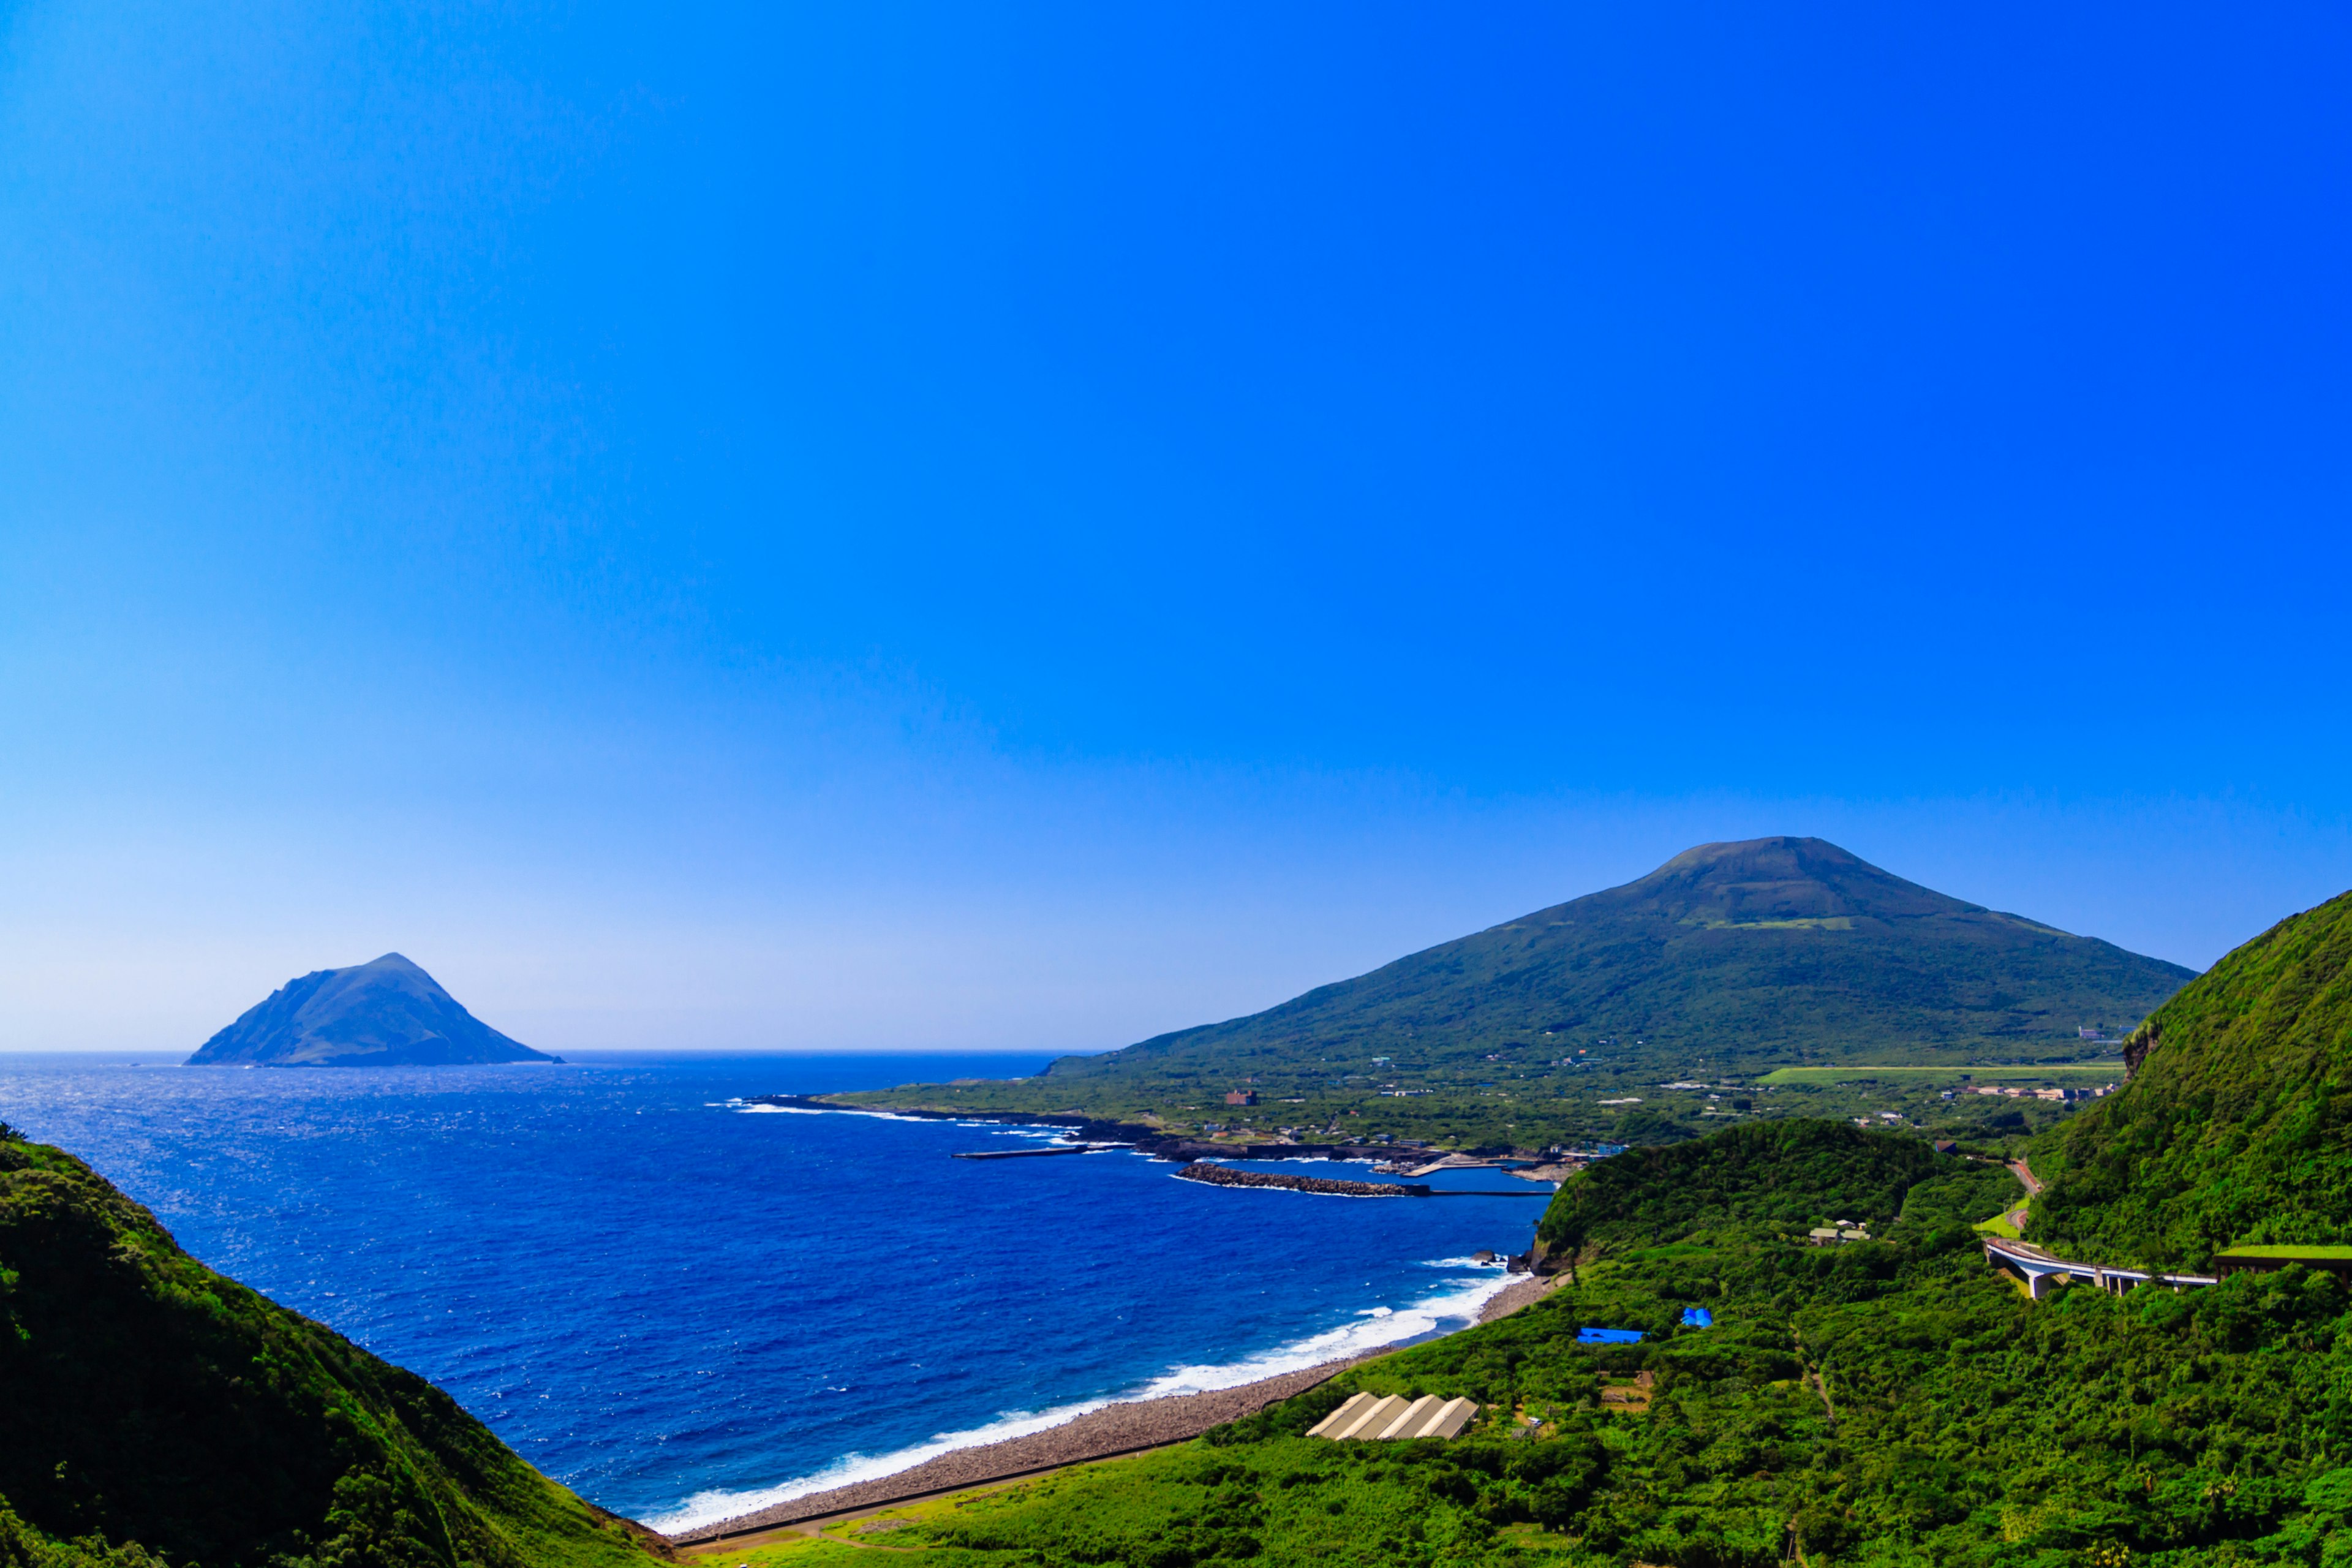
[(1373, 1328)]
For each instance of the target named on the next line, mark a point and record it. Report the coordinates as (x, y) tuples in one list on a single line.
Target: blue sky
[(870, 525)]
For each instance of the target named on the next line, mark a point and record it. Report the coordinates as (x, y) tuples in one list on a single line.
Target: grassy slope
[(1889, 1403), (2237, 1127), (151, 1401), (1731, 958)]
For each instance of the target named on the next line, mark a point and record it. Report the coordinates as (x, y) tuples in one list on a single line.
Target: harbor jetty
[(1226, 1176)]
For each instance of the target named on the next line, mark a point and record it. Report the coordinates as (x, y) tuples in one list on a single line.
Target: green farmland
[(2111, 1067)]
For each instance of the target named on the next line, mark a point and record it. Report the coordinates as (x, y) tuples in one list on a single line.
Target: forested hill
[(152, 1410), (1768, 1181), (2237, 1126), (1775, 949)]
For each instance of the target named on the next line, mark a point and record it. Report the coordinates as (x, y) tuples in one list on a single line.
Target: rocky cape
[(1145, 1140), (387, 1013)]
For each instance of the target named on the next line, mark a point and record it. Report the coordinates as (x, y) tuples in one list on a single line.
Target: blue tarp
[(1608, 1336), (1697, 1318)]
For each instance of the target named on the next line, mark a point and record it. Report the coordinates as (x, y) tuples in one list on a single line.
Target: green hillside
[(153, 1410), (1729, 959), (2237, 1125)]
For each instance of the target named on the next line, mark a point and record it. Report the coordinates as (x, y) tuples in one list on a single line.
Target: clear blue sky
[(869, 525)]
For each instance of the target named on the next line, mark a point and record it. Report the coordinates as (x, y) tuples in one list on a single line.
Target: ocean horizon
[(686, 1306)]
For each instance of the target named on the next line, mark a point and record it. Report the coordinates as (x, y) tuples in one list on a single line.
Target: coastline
[(1104, 1431), (1108, 1432), (1157, 1142), (1128, 1427)]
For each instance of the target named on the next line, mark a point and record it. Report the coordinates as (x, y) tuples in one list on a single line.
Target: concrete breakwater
[(1226, 1176)]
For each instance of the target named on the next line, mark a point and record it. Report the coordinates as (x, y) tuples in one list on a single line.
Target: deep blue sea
[(683, 1306)]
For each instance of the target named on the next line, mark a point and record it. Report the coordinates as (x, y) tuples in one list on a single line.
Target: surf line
[(1174, 1407)]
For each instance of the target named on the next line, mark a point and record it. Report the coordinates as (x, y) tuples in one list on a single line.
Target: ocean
[(684, 1307)]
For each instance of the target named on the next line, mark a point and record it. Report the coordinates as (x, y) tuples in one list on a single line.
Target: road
[(2024, 1173)]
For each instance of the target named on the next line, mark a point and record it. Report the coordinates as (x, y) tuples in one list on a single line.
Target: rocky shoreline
[(1133, 1135)]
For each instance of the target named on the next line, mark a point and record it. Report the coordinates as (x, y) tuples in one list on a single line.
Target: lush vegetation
[(1892, 1402), (2237, 1127), (1767, 1180), (1729, 960), (153, 1412)]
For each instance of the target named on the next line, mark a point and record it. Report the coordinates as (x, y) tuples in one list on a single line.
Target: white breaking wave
[(710, 1507), (739, 1106), (1374, 1329)]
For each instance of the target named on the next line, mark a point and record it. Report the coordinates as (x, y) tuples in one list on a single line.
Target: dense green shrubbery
[(150, 1400), (2238, 1125), (1760, 1180), (1876, 1404)]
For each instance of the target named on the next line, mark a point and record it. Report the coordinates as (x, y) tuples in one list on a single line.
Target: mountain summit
[(1770, 951), (388, 1013)]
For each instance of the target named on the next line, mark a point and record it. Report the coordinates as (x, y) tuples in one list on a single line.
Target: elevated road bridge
[(2043, 1271)]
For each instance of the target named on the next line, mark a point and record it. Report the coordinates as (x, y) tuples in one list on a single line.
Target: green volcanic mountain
[(152, 1411), (1727, 959), (2236, 1126), (1772, 951), (388, 1013)]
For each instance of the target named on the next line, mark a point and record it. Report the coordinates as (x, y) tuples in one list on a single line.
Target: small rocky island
[(387, 1013)]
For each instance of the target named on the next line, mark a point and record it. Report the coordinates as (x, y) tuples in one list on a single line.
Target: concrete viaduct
[(2043, 1271)]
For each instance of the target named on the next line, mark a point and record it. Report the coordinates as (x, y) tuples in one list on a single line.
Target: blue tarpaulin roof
[(1608, 1336), (1697, 1318)]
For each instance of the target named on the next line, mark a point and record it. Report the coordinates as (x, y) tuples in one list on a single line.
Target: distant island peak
[(385, 1012)]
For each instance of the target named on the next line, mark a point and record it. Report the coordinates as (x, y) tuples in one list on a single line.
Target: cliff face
[(388, 1013), (162, 1409)]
